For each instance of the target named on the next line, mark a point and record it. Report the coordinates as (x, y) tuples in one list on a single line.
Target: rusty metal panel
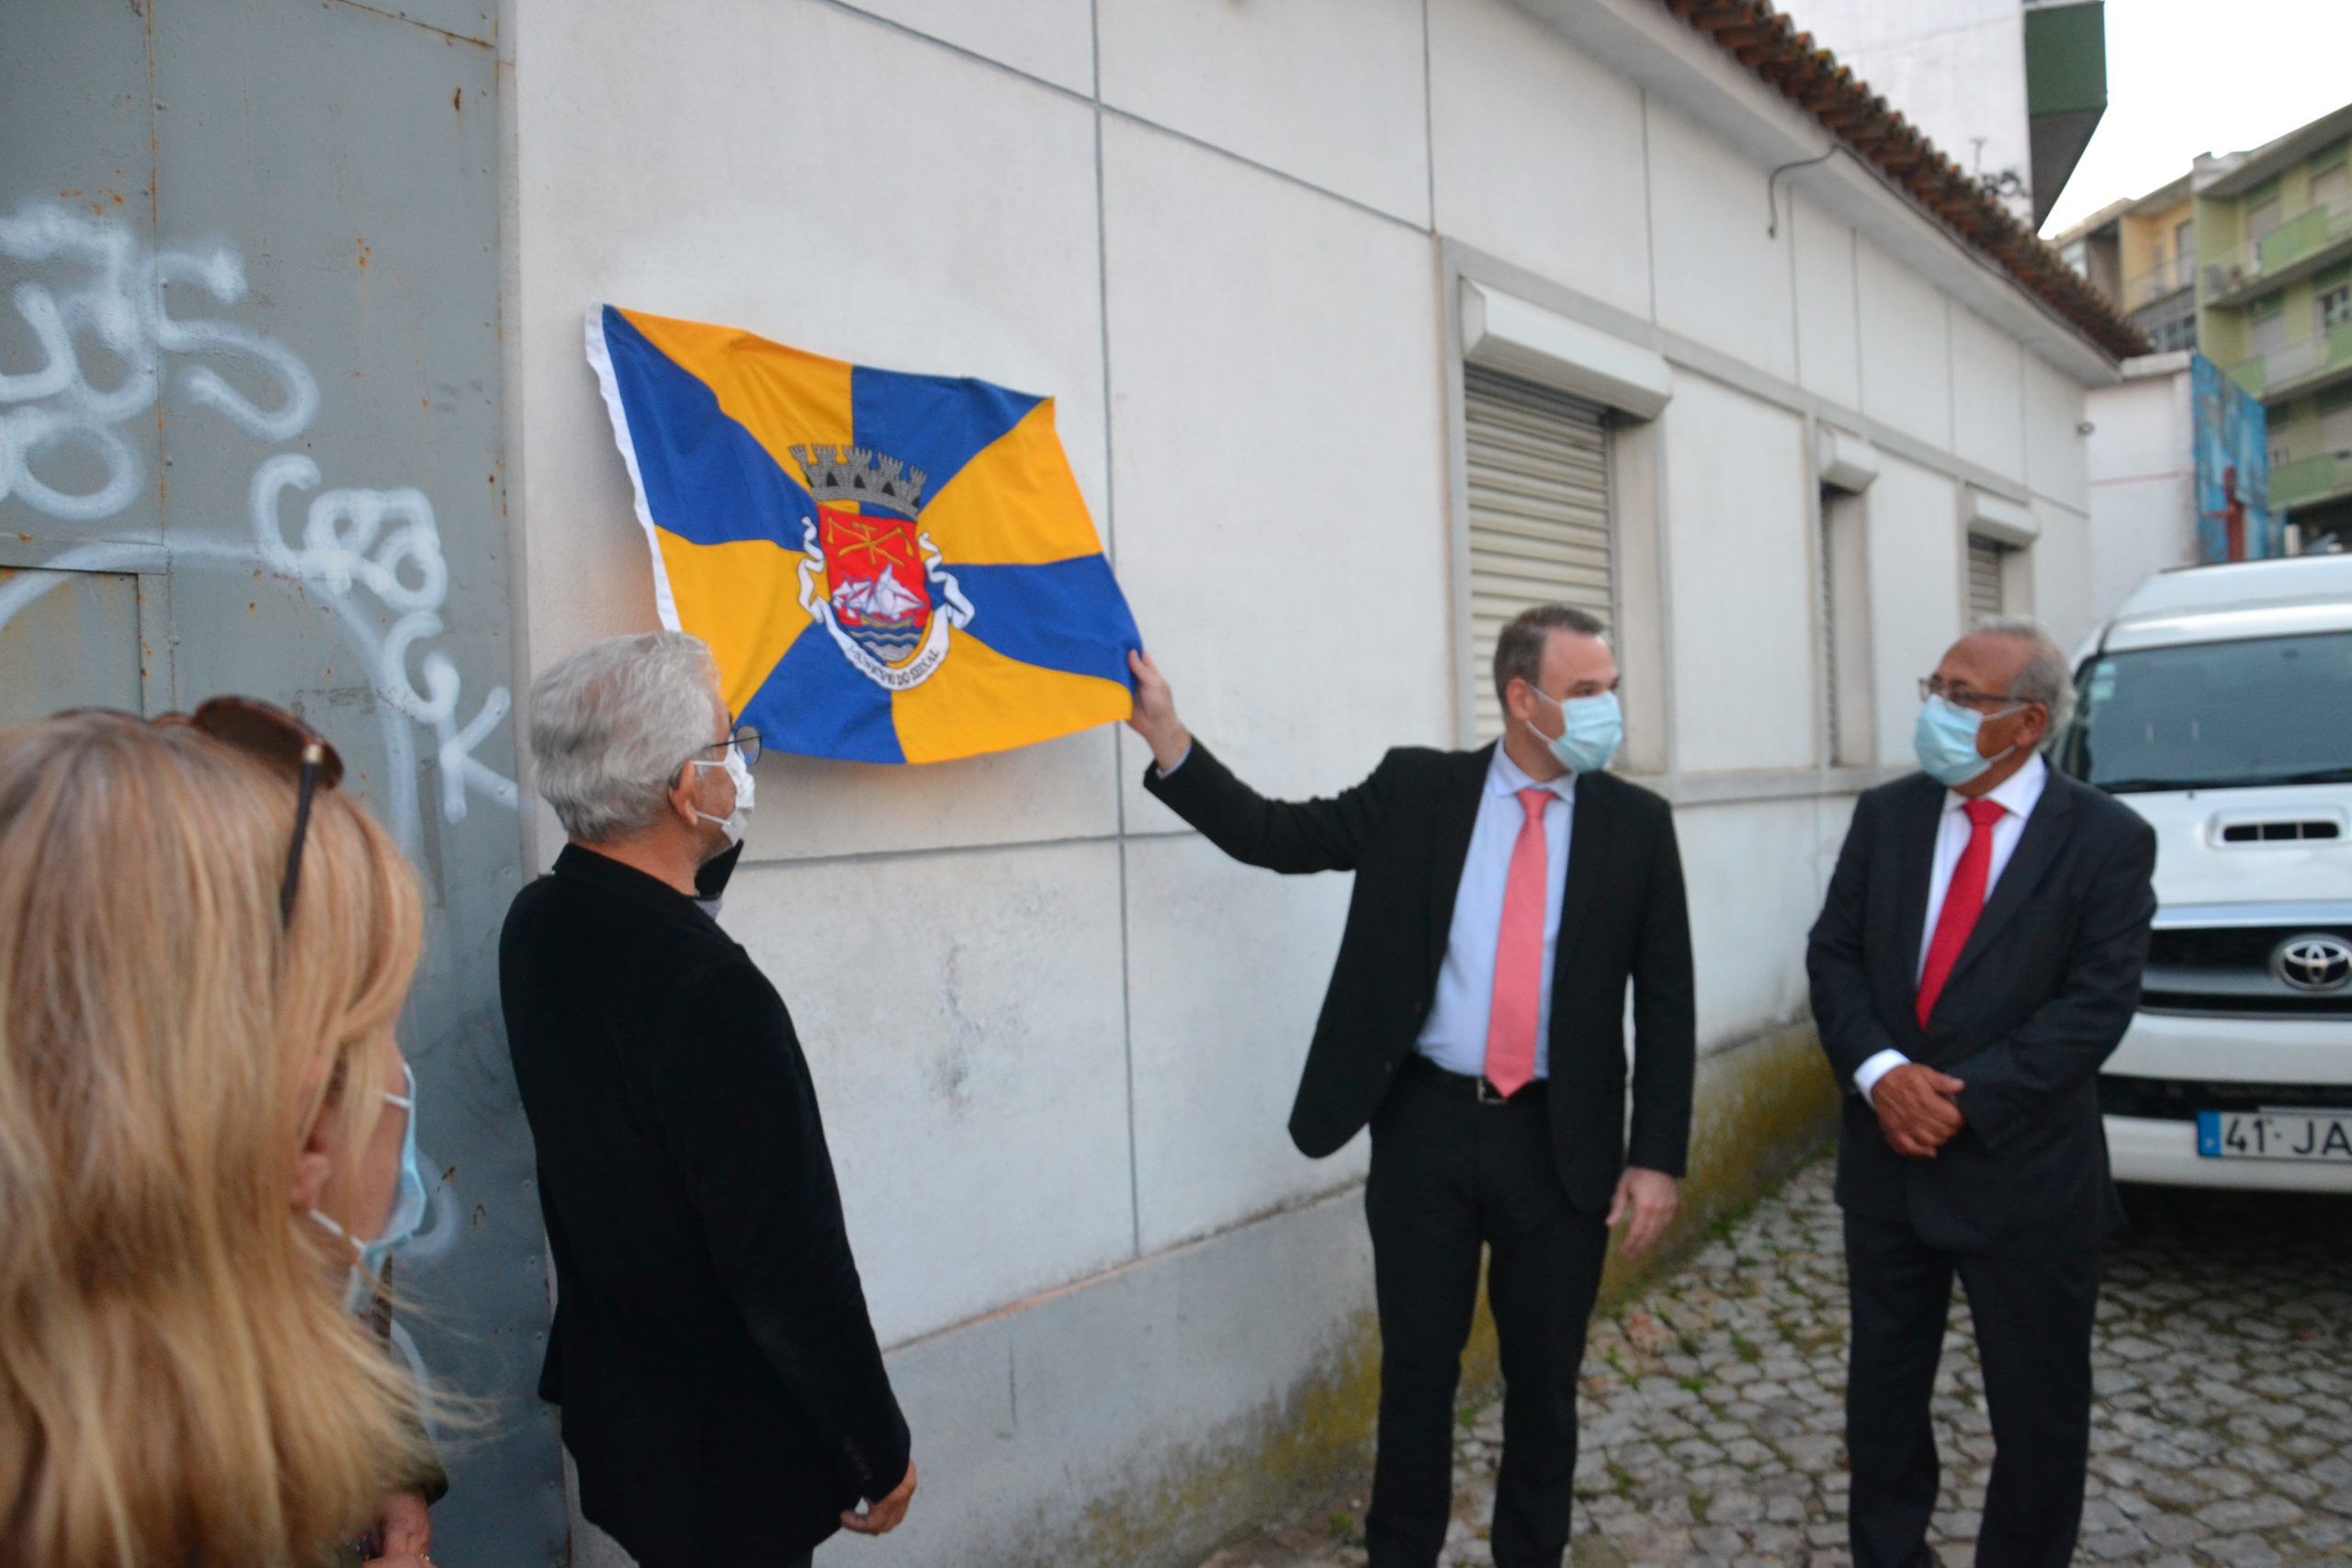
[(276, 356), (471, 19), (76, 185), (75, 644)]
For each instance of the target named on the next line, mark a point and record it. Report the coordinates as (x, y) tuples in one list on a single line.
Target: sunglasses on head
[(269, 732)]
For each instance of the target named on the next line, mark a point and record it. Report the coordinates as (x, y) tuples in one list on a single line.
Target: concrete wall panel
[(1989, 412), (1906, 356), (1740, 545), (1538, 151), (1721, 279), (1227, 968), (2143, 484), (1829, 345), (972, 1071), (2056, 453), (2063, 573), (1331, 91), (1280, 451), (2138, 527), (1915, 578), (1756, 873), (981, 260), (2143, 428), (1141, 1419), (1049, 38)]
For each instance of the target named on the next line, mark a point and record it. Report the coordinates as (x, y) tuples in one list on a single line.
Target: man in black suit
[(723, 1395), (1504, 900), (1978, 957)]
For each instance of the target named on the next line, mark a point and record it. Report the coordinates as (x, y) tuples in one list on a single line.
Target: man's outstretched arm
[(1279, 835)]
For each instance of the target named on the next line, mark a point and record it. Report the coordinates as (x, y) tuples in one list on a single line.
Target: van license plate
[(2276, 1134)]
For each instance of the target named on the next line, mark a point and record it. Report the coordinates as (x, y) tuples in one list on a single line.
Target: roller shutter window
[(1539, 513), (1984, 601)]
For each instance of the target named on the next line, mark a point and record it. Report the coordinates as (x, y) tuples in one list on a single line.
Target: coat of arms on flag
[(890, 568)]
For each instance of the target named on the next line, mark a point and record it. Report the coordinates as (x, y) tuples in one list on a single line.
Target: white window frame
[(1503, 331)]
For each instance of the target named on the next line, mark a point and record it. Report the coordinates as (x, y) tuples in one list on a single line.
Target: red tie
[(1519, 954), (1964, 901)]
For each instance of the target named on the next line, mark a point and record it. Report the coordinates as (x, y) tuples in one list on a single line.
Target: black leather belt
[(1464, 1086)]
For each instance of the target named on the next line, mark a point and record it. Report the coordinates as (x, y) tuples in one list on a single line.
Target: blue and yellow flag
[(889, 568)]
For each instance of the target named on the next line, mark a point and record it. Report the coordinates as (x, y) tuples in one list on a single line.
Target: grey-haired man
[(723, 1394)]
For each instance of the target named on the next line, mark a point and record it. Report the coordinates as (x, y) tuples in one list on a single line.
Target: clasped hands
[(1918, 1109)]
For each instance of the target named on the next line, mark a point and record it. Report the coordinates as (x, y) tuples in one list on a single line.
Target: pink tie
[(1519, 955)]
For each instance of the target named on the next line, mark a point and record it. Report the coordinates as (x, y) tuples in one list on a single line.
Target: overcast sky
[(2190, 76)]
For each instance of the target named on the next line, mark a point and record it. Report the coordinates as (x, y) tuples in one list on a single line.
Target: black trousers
[(1448, 1174), (2033, 1335)]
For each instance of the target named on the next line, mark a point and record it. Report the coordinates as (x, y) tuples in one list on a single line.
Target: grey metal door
[(250, 441)]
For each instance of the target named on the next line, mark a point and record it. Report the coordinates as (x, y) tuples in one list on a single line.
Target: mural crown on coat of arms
[(853, 473)]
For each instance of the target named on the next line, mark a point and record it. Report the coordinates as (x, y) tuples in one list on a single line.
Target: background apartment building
[(2274, 307), (2143, 254), (2247, 259), (1369, 321)]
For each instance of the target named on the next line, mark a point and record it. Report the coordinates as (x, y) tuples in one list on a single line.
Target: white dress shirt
[(2020, 793), (1454, 1036)]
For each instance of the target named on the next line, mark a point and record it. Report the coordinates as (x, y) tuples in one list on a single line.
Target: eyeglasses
[(1987, 703), (268, 731), (743, 737)]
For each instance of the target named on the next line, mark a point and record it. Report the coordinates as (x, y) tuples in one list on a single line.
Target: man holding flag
[(1505, 899)]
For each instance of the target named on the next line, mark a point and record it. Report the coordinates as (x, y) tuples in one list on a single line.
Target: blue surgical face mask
[(367, 1273), (1945, 739), (1591, 728)]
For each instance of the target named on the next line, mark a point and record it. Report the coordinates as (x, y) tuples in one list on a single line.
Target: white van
[(2218, 703)]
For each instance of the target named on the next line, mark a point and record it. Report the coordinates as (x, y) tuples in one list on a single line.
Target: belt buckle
[(1488, 1094)]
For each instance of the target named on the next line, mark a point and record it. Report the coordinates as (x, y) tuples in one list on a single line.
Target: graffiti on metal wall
[(373, 556)]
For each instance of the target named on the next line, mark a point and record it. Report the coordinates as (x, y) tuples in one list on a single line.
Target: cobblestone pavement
[(1711, 1418)]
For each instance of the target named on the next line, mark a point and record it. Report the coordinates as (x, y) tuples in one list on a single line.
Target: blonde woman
[(206, 1150)]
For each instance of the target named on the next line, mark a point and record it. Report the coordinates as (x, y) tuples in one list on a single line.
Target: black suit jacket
[(2039, 996), (1405, 833), (721, 1388)]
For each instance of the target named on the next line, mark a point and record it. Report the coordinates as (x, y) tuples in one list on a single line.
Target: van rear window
[(2214, 716)]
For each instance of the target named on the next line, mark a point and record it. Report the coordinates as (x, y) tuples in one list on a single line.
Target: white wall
[(1828, 325), (1987, 395), (1328, 91), (1907, 348), (1954, 68), (2143, 478), (1740, 558), (1539, 152), (1235, 271), (1721, 279), (1914, 550)]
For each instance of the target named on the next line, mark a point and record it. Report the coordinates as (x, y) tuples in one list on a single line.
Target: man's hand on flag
[(1155, 716)]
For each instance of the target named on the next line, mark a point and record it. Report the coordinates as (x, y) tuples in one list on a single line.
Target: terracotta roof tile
[(1768, 43)]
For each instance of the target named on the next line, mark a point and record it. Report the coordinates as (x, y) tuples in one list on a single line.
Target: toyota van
[(2218, 704)]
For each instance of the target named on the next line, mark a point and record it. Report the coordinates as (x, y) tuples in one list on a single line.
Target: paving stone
[(1713, 1407), (2250, 1513)]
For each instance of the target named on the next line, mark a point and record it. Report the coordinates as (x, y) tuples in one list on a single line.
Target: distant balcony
[(2167, 278), (2304, 240), (2299, 366), (2309, 479)]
